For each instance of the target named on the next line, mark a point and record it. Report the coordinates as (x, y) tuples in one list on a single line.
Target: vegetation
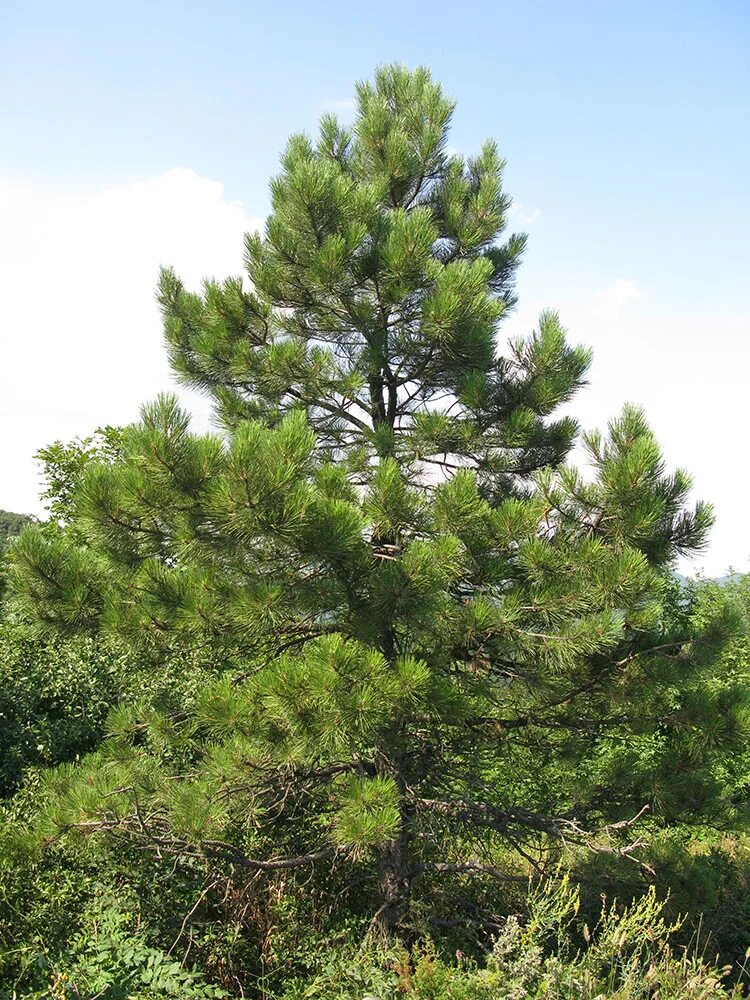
[(11, 524), (372, 693)]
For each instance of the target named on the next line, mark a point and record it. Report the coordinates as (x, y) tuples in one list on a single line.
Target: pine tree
[(443, 646)]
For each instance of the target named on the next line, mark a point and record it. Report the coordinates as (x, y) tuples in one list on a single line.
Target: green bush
[(628, 955), (81, 917), (109, 959), (55, 697)]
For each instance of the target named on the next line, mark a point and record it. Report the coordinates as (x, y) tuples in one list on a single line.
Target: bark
[(394, 862), (394, 884)]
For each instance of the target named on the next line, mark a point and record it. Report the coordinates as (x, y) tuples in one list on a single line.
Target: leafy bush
[(628, 955), (82, 916), (109, 959), (11, 524), (55, 697)]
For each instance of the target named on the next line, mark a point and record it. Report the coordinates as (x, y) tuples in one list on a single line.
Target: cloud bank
[(81, 332), (688, 369)]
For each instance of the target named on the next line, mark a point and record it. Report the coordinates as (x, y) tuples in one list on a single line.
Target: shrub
[(628, 955)]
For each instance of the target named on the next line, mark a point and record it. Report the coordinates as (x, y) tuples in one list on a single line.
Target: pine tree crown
[(373, 298)]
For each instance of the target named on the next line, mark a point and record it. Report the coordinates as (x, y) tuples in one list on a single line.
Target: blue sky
[(625, 126)]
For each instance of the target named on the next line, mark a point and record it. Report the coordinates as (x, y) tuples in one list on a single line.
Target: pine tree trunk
[(394, 884), (394, 863)]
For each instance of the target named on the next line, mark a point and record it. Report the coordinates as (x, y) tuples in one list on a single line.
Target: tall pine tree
[(443, 647)]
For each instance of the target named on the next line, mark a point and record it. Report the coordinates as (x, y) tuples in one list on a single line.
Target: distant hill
[(11, 524), (721, 580), (730, 578)]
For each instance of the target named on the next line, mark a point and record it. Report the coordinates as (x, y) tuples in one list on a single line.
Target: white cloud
[(346, 104), (81, 332), (688, 370), (522, 216), (610, 301)]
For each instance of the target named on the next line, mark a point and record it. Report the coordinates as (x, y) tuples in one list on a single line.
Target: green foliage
[(53, 700), (11, 524), (103, 954), (368, 813), (628, 954), (56, 697), (90, 918), (108, 959), (63, 464)]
